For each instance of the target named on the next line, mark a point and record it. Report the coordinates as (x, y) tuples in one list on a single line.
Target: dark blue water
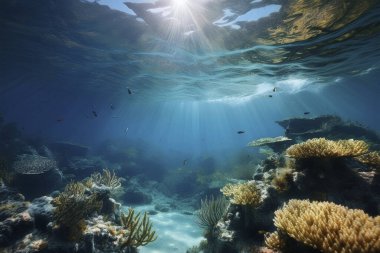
[(67, 69)]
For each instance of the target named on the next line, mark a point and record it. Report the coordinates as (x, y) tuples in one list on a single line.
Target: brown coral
[(72, 206), (242, 194), (274, 241), (371, 158), (282, 180), (140, 231), (323, 148), (329, 227)]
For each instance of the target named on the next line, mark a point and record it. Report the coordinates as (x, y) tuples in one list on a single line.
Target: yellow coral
[(372, 159), (242, 194), (321, 147), (72, 206), (140, 231), (329, 227), (274, 241), (108, 179)]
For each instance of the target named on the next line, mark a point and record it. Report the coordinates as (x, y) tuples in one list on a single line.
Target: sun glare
[(180, 3)]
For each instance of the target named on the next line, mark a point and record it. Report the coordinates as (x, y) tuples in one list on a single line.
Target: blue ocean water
[(182, 85), (194, 82)]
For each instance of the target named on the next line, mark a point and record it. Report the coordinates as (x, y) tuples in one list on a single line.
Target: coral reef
[(371, 159), (273, 241), (72, 206), (328, 126), (282, 179), (321, 147), (242, 193), (211, 211), (36, 175), (107, 178), (327, 227), (33, 164), (140, 231), (277, 144)]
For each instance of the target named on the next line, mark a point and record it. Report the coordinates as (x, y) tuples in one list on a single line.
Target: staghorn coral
[(371, 159), (107, 178), (274, 241), (323, 148), (328, 227), (212, 210), (72, 206), (242, 194), (140, 231)]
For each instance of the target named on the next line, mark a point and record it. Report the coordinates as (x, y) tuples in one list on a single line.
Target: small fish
[(60, 120), (270, 96), (112, 107), (126, 130), (306, 113), (95, 114), (129, 91), (184, 162), (274, 89), (240, 132), (262, 232)]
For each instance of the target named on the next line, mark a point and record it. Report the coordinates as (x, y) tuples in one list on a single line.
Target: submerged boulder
[(332, 127), (67, 149), (277, 144), (36, 175)]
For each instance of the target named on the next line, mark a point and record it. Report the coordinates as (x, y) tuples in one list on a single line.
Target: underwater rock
[(83, 167), (41, 210), (299, 126), (10, 208), (161, 207), (36, 175), (11, 203), (36, 185), (329, 126), (67, 149), (136, 197), (277, 144), (258, 176), (14, 228), (8, 194)]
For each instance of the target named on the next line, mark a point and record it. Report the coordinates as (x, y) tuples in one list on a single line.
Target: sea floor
[(176, 231)]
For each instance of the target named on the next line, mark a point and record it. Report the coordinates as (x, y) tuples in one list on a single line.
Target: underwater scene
[(189, 126)]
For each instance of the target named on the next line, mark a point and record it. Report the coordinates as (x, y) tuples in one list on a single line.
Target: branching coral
[(140, 231), (371, 158), (212, 210), (274, 241), (107, 178), (321, 147), (72, 206), (243, 194), (329, 227)]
